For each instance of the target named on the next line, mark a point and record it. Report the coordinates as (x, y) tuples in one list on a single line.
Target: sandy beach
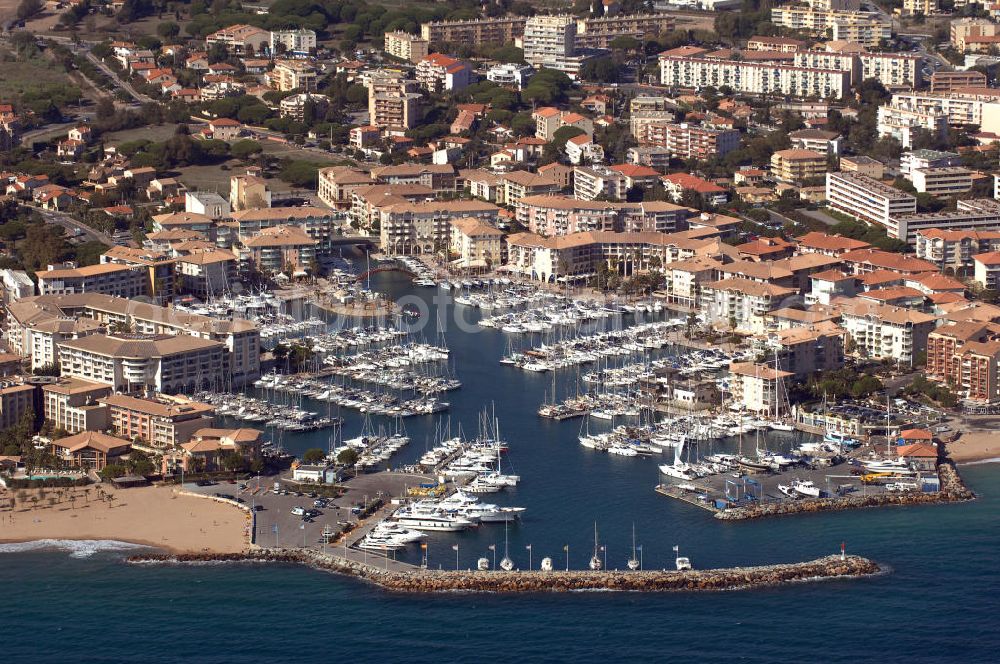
[(154, 516), (975, 446)]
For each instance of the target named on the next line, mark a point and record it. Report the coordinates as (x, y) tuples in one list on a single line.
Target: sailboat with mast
[(633, 562), (595, 560)]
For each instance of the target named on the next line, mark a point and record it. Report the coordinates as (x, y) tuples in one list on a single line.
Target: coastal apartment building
[(158, 267), (550, 41), (753, 77), (942, 181), (796, 165), (16, 401), (439, 178), (578, 256), (974, 35), (971, 215), (298, 43), (240, 337), (393, 101), (320, 224), (987, 269), (424, 227), (865, 28), (162, 422), (686, 141), (126, 281), (955, 81), (136, 363), (562, 215), (758, 388), (954, 248), (280, 249), (74, 405), (475, 32), (599, 32), (900, 123), (978, 106), (35, 331), (405, 46), (965, 356), (337, 184), (512, 187), (475, 243), (923, 159), (592, 182), (241, 39), (883, 332), (289, 75), (739, 303), (893, 70), (439, 73), (867, 199), (207, 272)]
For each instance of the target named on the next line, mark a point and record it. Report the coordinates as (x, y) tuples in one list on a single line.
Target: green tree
[(313, 455), (28, 8), (347, 457)]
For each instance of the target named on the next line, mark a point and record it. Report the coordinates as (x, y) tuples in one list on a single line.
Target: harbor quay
[(418, 580), (741, 496)]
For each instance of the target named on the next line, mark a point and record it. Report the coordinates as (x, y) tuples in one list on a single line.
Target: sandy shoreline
[(150, 516), (975, 446)]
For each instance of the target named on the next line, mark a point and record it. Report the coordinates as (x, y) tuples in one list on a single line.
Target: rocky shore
[(434, 581), (952, 490)]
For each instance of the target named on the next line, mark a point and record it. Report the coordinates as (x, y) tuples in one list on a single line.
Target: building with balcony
[(867, 199), (883, 332), (161, 421), (405, 46), (73, 405), (135, 363)]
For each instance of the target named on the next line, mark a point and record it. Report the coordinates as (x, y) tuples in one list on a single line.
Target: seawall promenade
[(420, 580)]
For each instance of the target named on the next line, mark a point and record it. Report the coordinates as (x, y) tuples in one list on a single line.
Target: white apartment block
[(549, 40), (742, 302), (867, 199), (982, 215), (757, 388), (865, 28), (405, 46), (900, 122), (293, 42), (163, 363), (893, 70), (954, 249), (884, 332), (942, 181), (590, 183), (509, 73), (916, 159), (961, 108), (425, 227), (753, 77)]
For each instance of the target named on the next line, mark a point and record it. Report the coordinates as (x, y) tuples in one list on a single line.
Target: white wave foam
[(982, 461), (76, 548)]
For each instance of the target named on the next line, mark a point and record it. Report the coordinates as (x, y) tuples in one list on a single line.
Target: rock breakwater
[(952, 489), (435, 581)]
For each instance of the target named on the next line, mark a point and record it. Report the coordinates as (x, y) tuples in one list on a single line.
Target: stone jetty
[(952, 490), (434, 581)]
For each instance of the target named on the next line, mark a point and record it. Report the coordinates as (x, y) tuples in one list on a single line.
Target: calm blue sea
[(939, 603)]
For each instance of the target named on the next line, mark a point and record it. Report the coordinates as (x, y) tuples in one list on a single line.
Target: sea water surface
[(938, 603)]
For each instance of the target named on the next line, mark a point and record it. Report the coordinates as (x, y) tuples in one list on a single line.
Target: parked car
[(298, 511)]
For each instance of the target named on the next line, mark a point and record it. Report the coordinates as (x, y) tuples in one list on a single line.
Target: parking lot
[(277, 526)]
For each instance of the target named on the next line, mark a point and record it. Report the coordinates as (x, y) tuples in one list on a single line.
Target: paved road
[(71, 224)]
